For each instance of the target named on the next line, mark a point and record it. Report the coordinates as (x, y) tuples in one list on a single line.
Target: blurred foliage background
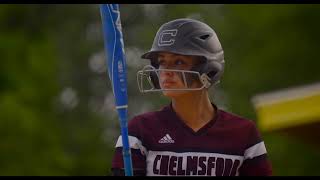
[(56, 104)]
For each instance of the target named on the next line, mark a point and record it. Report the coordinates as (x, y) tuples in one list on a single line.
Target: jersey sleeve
[(138, 151), (256, 162)]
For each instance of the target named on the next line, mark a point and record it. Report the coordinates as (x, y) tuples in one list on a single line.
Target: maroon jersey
[(161, 144)]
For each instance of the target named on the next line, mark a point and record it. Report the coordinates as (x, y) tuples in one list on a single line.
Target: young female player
[(191, 135)]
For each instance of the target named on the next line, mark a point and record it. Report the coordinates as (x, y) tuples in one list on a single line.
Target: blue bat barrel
[(116, 63)]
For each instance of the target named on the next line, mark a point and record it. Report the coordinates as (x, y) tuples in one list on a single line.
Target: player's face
[(174, 80)]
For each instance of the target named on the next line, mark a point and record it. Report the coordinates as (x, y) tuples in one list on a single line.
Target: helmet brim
[(150, 55)]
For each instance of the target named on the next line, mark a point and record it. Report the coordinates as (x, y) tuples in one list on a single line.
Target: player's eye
[(179, 62), (161, 62)]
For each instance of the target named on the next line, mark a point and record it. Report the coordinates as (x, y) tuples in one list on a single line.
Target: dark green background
[(56, 104)]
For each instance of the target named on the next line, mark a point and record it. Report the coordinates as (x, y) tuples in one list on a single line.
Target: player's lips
[(167, 83)]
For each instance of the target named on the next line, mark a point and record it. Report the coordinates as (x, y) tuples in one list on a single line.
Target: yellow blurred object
[(288, 108)]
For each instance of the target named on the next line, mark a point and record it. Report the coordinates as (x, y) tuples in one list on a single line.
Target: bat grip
[(126, 146)]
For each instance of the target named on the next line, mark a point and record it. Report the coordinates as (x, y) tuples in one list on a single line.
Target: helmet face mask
[(190, 38), (149, 80)]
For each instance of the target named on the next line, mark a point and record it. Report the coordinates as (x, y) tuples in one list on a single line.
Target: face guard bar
[(146, 84)]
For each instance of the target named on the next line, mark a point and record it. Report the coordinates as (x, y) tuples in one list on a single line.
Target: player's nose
[(166, 72)]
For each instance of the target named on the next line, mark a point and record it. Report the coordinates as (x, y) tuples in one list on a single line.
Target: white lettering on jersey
[(161, 163)]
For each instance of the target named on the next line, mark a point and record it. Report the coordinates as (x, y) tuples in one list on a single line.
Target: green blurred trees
[(37, 136), (45, 49)]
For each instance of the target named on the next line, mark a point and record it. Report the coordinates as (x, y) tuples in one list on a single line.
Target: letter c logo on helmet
[(166, 37)]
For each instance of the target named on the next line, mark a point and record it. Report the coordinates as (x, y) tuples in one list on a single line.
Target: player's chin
[(173, 94)]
